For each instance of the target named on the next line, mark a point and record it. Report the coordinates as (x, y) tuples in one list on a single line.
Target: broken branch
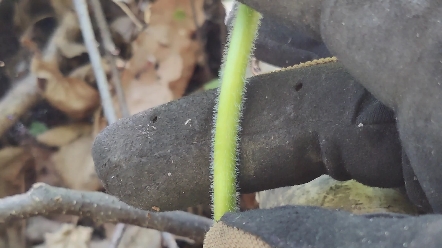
[(129, 13), (46, 200), (17, 102), (95, 58), (110, 50)]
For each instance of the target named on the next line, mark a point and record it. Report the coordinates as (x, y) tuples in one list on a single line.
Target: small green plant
[(37, 128), (228, 110), (179, 15)]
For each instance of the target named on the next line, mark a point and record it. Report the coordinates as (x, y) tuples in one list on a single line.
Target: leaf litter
[(156, 65)]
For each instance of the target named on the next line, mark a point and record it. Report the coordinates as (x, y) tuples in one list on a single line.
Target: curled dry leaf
[(71, 95), (64, 135)]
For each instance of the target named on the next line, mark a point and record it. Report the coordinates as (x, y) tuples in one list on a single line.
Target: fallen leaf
[(44, 167), (13, 161), (69, 236), (63, 135), (38, 226), (71, 95), (74, 163), (164, 55)]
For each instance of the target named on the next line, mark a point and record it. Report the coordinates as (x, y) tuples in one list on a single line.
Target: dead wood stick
[(17, 102), (117, 235), (46, 200), (95, 58), (129, 13), (111, 50)]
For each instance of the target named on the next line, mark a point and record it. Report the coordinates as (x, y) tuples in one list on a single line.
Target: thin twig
[(129, 13), (168, 240), (110, 50), (17, 102), (117, 235), (46, 200), (255, 68), (94, 56), (199, 38), (103, 27)]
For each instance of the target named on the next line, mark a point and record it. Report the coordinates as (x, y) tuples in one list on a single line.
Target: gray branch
[(95, 58), (46, 200), (17, 102), (110, 50)]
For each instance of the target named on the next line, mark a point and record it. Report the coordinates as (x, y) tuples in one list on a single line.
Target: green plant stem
[(229, 109)]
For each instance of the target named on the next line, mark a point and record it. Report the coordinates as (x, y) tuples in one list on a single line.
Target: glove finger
[(297, 125)]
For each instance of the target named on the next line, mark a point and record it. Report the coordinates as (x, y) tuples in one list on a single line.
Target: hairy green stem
[(227, 118)]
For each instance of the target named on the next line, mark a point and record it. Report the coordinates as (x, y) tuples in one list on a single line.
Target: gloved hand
[(301, 123), (298, 124), (301, 226), (414, 108), (393, 49), (279, 45)]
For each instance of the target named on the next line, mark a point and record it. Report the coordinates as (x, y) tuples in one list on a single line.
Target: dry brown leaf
[(71, 95), (44, 168), (164, 55), (146, 92), (60, 168), (167, 10), (74, 163), (164, 58), (12, 162), (69, 236), (63, 135)]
